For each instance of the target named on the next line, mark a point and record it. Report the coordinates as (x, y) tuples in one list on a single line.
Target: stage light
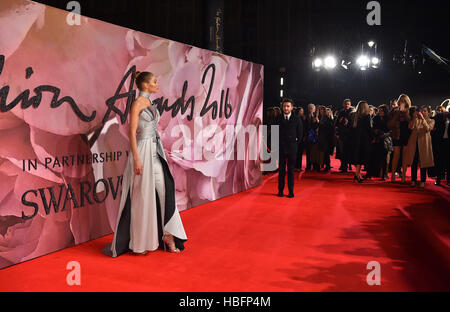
[(330, 62), (317, 63), (363, 61), (344, 64), (371, 43), (375, 62), (281, 93), (281, 81)]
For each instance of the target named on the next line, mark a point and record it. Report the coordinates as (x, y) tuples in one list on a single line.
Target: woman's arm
[(408, 115), (412, 123), (428, 125), (315, 123), (392, 120), (136, 109)]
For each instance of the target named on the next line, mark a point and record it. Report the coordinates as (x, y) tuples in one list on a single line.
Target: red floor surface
[(322, 240)]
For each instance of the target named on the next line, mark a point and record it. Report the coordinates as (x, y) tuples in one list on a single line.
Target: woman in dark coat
[(311, 138), (326, 138), (299, 165), (362, 135), (381, 145)]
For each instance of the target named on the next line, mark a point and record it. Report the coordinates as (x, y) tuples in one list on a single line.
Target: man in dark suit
[(291, 133), (441, 146)]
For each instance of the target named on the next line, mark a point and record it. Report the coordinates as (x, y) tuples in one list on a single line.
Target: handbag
[(387, 143), (312, 136)]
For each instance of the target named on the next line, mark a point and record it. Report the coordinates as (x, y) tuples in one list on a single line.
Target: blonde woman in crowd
[(398, 123)]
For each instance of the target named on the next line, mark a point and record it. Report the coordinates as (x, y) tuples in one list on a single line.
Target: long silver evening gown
[(147, 207)]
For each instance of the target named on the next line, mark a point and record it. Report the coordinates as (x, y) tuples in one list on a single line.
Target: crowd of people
[(374, 141)]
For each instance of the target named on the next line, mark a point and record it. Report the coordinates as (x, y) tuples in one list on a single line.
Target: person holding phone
[(420, 149)]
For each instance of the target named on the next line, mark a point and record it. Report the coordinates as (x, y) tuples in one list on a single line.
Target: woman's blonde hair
[(404, 98), (329, 112), (361, 110), (445, 104), (320, 109)]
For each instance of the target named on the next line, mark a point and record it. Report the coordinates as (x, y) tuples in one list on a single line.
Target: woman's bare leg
[(404, 166), (395, 160), (358, 171)]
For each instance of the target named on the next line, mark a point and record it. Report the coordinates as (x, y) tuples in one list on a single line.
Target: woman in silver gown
[(148, 217)]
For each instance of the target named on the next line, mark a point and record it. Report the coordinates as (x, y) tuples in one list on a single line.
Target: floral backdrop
[(87, 63)]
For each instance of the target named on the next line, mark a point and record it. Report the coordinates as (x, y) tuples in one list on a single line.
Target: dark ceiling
[(284, 33)]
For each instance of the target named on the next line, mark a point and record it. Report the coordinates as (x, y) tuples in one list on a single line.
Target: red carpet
[(321, 240)]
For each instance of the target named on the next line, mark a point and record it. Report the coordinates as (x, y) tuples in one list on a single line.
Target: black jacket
[(326, 135), (310, 124), (439, 128), (343, 116), (361, 137), (291, 133)]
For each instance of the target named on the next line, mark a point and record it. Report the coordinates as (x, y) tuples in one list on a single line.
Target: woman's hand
[(138, 168), (421, 116)]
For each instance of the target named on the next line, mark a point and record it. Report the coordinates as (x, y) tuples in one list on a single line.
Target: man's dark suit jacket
[(291, 133), (439, 128)]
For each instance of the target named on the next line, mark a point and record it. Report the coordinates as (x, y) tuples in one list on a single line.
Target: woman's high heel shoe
[(140, 253), (170, 244)]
